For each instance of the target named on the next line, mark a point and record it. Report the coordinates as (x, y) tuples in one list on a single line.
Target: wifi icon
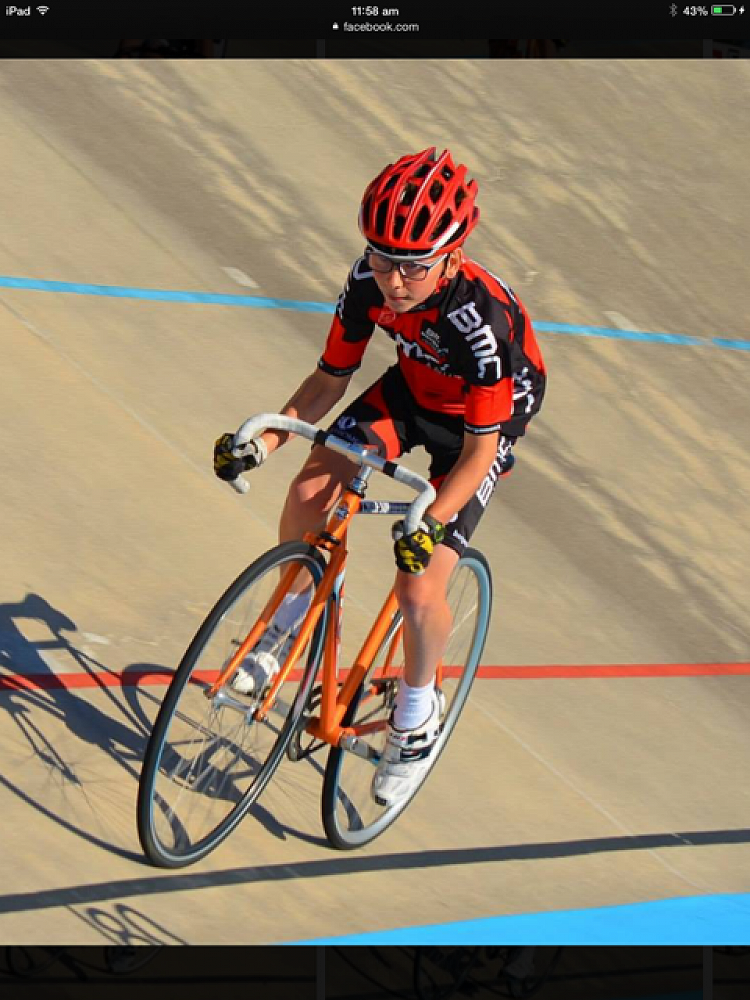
[(42, 10)]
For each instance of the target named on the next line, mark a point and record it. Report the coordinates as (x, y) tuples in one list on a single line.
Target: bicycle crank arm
[(353, 744)]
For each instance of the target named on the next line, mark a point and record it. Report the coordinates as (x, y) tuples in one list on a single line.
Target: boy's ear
[(454, 261)]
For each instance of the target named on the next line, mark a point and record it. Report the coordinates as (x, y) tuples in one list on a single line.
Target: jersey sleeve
[(488, 408), (484, 334), (352, 324)]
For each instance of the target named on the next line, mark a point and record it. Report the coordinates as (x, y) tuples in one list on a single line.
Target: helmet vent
[(422, 221), (380, 216), (410, 192), (366, 209), (443, 223)]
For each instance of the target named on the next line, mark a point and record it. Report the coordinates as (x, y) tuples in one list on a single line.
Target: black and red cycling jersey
[(468, 350)]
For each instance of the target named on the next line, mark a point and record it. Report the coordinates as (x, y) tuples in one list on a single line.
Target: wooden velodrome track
[(614, 196)]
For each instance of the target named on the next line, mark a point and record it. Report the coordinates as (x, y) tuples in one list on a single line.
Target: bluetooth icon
[(673, 10)]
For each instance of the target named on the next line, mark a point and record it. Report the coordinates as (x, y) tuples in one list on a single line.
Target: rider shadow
[(16, 649), (65, 779)]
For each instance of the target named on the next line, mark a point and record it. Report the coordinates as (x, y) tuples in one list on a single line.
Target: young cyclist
[(469, 376)]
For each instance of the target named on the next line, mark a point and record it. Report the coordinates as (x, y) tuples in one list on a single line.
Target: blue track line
[(160, 295), (262, 302), (605, 331), (691, 920)]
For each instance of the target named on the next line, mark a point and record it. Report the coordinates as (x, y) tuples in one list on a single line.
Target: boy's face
[(402, 294)]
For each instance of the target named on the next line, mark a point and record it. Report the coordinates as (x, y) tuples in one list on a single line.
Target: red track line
[(618, 670), (15, 682)]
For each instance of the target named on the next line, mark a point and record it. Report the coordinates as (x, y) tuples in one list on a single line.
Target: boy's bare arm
[(315, 397)]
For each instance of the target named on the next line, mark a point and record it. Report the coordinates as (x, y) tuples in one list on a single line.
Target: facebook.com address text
[(378, 26)]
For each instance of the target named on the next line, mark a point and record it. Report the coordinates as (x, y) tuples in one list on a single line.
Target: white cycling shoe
[(406, 757), (260, 667)]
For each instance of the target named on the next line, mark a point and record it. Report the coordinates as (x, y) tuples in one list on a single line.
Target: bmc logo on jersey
[(479, 337)]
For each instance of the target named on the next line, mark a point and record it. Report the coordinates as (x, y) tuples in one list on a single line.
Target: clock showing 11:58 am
[(374, 11)]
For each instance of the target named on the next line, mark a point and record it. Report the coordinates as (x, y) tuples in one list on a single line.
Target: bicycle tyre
[(174, 845), (350, 817)]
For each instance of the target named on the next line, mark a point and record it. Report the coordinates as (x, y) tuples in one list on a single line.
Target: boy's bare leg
[(427, 617), (313, 492), (422, 599)]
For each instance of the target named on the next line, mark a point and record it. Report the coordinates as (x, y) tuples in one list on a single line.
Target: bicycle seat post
[(358, 483)]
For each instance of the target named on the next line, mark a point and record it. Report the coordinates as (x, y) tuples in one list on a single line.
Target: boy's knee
[(415, 594)]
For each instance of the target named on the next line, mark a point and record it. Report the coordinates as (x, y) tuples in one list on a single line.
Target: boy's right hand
[(227, 466)]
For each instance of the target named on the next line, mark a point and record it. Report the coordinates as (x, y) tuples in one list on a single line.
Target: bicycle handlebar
[(255, 426)]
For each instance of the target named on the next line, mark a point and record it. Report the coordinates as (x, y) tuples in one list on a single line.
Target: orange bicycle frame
[(335, 699)]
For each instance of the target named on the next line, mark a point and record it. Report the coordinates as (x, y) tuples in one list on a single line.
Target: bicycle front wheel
[(208, 758), (351, 817)]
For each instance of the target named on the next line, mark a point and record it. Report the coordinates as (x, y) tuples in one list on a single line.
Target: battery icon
[(723, 9)]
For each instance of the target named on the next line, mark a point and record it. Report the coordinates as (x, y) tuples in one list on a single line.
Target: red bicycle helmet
[(419, 206)]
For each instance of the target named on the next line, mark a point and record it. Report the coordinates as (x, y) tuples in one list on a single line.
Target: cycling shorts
[(387, 418)]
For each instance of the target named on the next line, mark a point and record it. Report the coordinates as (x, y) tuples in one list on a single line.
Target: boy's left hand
[(413, 552)]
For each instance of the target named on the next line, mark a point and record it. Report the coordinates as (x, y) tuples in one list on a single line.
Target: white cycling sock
[(292, 610), (413, 705)]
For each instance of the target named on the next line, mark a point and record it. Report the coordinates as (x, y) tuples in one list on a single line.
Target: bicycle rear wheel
[(351, 817), (208, 759)]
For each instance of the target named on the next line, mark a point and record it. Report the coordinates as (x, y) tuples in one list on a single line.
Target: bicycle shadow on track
[(117, 889), (62, 779)]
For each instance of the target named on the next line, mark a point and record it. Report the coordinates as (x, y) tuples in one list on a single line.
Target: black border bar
[(466, 19)]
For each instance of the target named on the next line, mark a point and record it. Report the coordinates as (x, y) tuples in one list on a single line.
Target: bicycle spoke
[(209, 758)]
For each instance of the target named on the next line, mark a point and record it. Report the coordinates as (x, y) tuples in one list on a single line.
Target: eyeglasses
[(412, 270)]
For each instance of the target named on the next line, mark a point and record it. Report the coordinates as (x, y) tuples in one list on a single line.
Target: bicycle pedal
[(385, 687)]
